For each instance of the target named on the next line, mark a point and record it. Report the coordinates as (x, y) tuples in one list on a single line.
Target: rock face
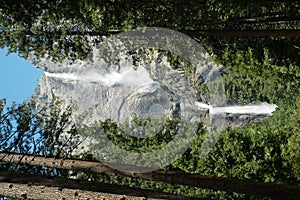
[(120, 91), (123, 89)]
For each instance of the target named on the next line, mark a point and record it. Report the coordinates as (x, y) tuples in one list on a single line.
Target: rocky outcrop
[(119, 91)]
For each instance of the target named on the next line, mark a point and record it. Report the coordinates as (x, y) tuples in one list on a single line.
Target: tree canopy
[(63, 29)]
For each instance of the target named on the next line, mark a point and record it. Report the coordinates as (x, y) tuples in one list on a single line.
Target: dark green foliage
[(247, 79), (267, 151), (63, 29), (19, 124), (125, 140), (30, 129), (27, 129), (43, 28)]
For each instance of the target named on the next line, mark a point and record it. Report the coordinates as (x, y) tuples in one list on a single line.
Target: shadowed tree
[(63, 29)]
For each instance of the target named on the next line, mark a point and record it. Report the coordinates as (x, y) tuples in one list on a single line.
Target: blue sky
[(18, 78)]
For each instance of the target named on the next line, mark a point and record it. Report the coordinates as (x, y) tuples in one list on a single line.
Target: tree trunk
[(248, 187), (29, 186), (225, 33), (239, 33), (245, 33)]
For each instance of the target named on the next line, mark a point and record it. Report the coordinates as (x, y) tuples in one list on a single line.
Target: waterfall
[(104, 79), (128, 77), (64, 76), (121, 91), (254, 109), (140, 77)]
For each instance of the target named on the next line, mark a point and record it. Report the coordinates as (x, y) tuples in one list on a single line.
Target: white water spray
[(258, 109), (130, 77), (64, 76)]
